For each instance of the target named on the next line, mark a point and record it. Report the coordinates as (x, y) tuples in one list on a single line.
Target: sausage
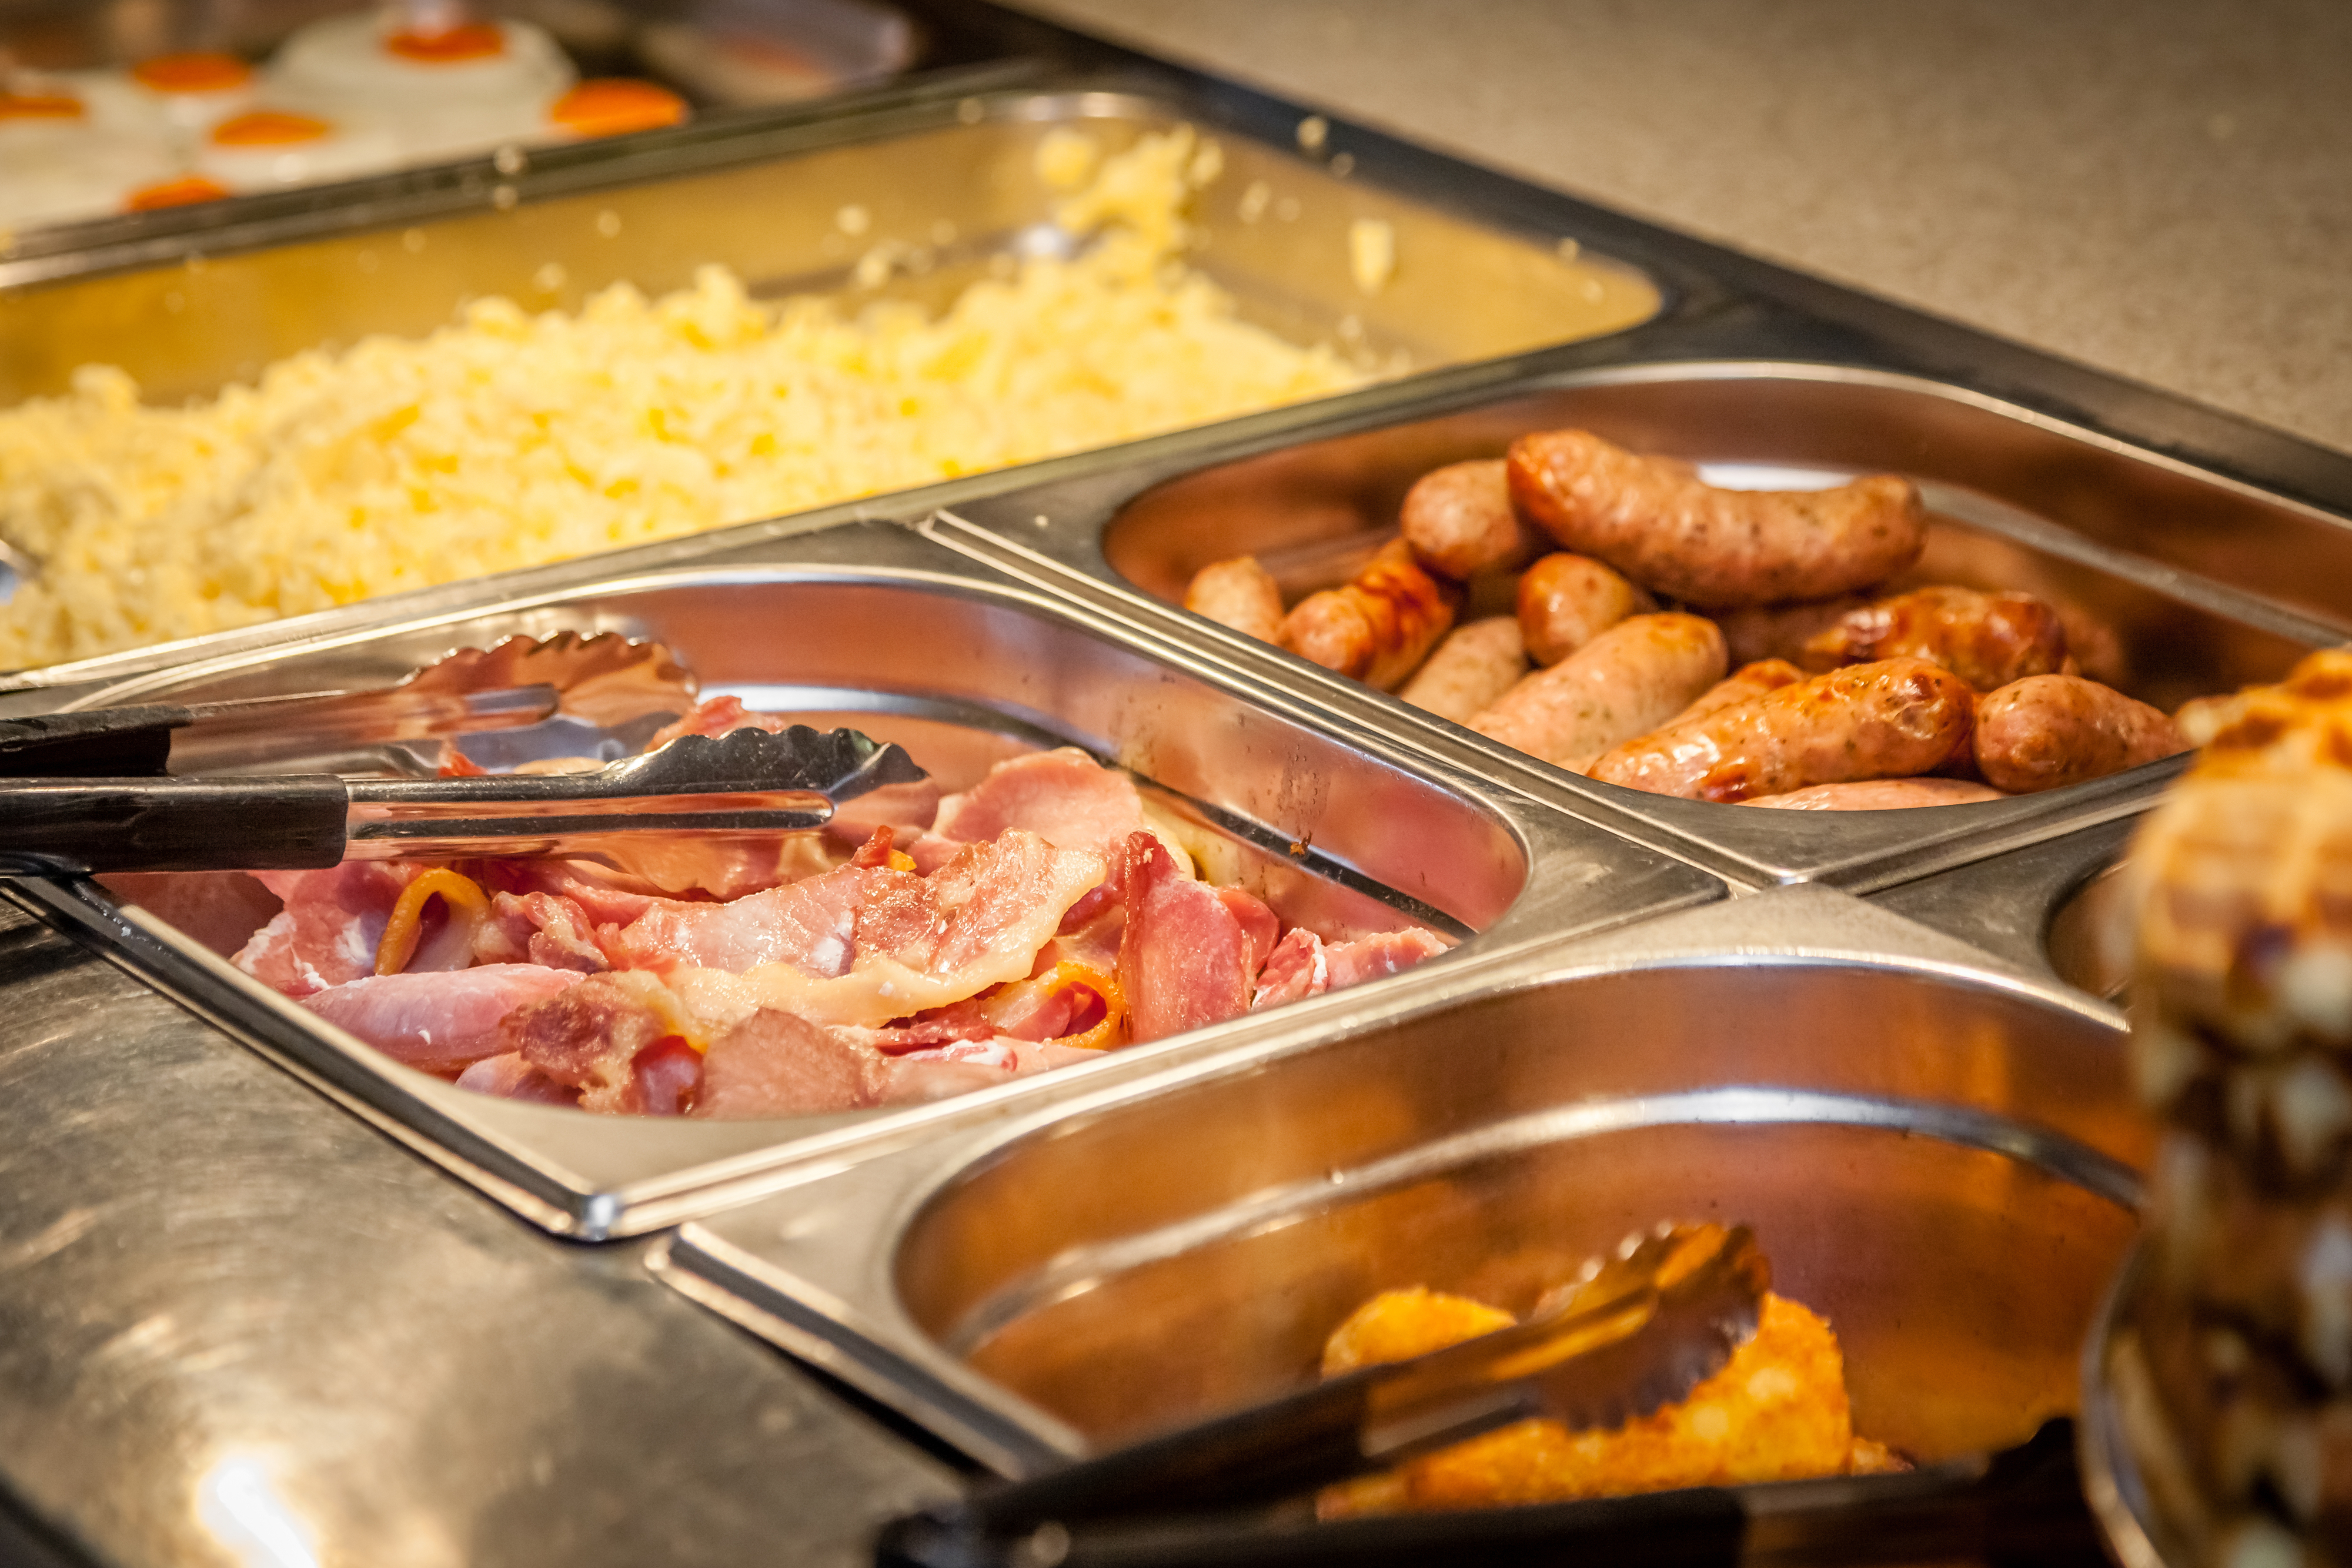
[(1379, 626), (1880, 795), (1475, 665), (2049, 731), (1623, 683), (1459, 520), (1781, 631), (1674, 533), (1565, 601), (1887, 720), (1744, 684), (1987, 639), (1238, 593)]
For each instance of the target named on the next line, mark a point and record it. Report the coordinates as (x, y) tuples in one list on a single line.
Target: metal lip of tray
[(875, 627), (1798, 1004), (2233, 587), (2142, 1509)]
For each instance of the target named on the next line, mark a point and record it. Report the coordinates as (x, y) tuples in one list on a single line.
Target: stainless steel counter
[(423, 1380), (2160, 190)]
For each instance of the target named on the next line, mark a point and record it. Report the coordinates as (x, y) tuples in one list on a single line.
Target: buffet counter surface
[(2155, 189)]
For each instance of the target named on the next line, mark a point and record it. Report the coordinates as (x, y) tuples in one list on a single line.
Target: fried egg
[(272, 149), (455, 91), (59, 161)]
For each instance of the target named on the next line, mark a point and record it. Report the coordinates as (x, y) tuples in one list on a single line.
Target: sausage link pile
[(1739, 647)]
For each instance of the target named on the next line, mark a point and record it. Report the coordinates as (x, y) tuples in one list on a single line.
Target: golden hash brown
[(1777, 1411)]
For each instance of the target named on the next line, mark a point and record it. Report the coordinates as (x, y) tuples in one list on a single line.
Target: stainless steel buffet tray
[(2208, 582), (944, 185), (873, 626), (1936, 1148)]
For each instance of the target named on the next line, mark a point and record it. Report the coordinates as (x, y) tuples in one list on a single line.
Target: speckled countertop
[(2158, 188)]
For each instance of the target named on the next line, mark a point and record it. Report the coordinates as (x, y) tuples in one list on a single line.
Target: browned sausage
[(1987, 639), (1680, 536), (1475, 665), (1888, 720), (1565, 601), (1623, 683), (1238, 593), (1460, 522), (1377, 628), (1743, 685), (2048, 731), (1780, 630), (1881, 795)]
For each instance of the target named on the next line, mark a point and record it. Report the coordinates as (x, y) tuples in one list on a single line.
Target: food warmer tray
[(231, 1309), (876, 627)]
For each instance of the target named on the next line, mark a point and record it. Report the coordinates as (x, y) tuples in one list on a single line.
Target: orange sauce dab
[(614, 106), (185, 190), (448, 46), (200, 71), (269, 127), (40, 106)]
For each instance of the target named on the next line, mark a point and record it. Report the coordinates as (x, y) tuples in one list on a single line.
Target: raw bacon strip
[(438, 1021), (912, 943), (1064, 797), (328, 931), (1184, 961), (1303, 965), (1298, 966), (589, 1037), (1385, 953), (776, 1063), (1258, 924), (808, 925), (953, 1069), (542, 928), (510, 1077), (667, 1076)]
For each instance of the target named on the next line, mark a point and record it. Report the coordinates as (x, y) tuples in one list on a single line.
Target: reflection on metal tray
[(967, 671), (1934, 1151), (2208, 583)]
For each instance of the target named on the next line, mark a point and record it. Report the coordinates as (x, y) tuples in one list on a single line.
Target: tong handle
[(51, 825), (1639, 1330), (98, 743)]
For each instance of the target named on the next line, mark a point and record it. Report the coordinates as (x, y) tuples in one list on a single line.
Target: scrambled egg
[(509, 440), (1777, 1411)]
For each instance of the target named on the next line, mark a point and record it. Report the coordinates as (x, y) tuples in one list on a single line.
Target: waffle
[(2239, 899)]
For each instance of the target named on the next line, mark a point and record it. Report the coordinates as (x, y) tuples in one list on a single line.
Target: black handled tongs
[(521, 699), (1637, 1330), (752, 782)]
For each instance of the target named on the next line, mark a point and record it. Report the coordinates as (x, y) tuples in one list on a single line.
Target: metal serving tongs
[(751, 783), (1636, 1330), (523, 699)]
